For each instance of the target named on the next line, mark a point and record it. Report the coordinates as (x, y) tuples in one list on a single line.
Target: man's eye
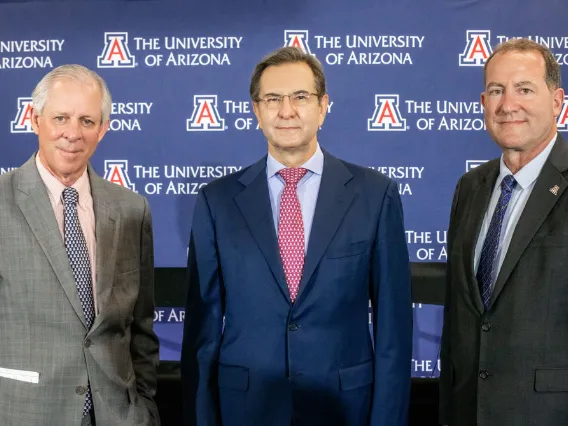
[(300, 97), (59, 119), (272, 100)]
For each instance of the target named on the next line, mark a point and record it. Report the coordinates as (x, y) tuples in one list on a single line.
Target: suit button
[(292, 327), (88, 343), (80, 390), (486, 326), (483, 374)]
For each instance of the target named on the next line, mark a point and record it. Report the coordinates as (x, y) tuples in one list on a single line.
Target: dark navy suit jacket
[(312, 362)]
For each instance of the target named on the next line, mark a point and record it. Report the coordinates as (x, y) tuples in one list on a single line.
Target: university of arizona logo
[(116, 53), (387, 114), (116, 171), (23, 121), (205, 115), (297, 38), (562, 122), (477, 49)]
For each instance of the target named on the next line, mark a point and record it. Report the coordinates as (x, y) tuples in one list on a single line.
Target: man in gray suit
[(505, 339), (76, 274)]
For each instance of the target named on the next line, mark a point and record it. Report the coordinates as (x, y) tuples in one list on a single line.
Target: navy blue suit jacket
[(312, 362)]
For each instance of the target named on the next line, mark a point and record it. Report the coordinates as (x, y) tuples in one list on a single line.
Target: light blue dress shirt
[(307, 189), (526, 178)]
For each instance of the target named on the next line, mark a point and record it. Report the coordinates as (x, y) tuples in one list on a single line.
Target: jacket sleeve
[(446, 371), (203, 322), (392, 315), (144, 344)]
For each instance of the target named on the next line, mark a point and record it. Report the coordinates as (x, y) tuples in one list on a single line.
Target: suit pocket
[(233, 377), (356, 376), (551, 380), (127, 266), (346, 250)]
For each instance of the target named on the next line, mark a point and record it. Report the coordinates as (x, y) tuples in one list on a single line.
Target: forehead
[(287, 78), (67, 94), (516, 64)]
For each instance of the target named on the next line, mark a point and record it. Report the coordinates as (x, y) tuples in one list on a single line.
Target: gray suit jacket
[(509, 366), (42, 326)]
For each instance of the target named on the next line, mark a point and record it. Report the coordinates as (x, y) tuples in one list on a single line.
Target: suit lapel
[(254, 204), (34, 203), (106, 234), (479, 202), (333, 202), (539, 205)]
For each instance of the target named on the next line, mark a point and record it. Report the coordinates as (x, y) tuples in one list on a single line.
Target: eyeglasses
[(299, 99)]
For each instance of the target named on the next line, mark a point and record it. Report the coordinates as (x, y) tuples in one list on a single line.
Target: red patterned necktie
[(291, 230)]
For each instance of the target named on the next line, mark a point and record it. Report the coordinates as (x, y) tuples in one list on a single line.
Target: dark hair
[(552, 74), (286, 55)]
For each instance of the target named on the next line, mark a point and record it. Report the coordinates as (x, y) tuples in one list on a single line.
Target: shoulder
[(362, 177), (230, 185), (475, 176), (119, 197)]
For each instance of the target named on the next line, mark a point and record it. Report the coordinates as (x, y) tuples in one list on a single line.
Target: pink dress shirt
[(84, 210)]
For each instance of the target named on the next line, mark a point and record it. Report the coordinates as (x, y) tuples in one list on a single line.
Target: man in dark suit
[(289, 251), (76, 274), (504, 345)]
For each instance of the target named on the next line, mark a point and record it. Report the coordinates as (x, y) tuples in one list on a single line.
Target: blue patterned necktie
[(486, 269), (78, 254)]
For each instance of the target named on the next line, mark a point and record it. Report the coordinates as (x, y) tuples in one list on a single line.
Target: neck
[(65, 179), (293, 157), (516, 160)]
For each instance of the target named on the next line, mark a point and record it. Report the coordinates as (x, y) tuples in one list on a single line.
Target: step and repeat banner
[(404, 81)]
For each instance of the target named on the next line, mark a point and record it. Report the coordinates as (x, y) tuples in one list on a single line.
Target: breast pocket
[(337, 251)]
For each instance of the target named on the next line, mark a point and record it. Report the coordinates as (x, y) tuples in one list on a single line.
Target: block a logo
[(116, 53), (23, 121), (477, 49), (472, 164), (562, 122), (205, 115), (116, 171), (297, 38), (387, 115)]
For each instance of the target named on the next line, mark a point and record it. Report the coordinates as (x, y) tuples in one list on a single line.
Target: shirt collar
[(55, 187), (314, 163), (528, 174)]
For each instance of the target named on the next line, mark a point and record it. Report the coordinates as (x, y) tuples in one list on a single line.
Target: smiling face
[(69, 128), (520, 109), (290, 128)]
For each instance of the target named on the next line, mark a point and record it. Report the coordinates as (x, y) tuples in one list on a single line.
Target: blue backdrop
[(404, 79)]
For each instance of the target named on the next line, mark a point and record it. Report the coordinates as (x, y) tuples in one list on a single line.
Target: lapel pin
[(554, 189)]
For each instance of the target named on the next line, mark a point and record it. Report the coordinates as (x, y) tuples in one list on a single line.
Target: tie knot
[(508, 184), (70, 196), (292, 176)]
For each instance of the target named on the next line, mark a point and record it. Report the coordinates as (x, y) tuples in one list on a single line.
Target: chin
[(288, 144), (515, 143)]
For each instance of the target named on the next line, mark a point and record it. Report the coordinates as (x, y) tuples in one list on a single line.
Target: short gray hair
[(76, 73)]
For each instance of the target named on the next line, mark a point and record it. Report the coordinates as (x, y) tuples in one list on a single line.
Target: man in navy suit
[(289, 251)]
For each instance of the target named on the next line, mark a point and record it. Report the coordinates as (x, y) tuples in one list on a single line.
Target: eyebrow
[(524, 83), (518, 84), (293, 93)]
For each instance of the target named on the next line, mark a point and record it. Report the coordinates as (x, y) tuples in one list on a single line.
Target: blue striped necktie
[(486, 270)]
